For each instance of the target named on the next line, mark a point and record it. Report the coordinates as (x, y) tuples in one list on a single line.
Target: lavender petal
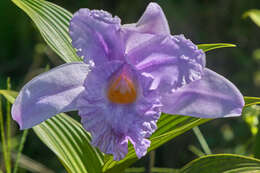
[(48, 94), (96, 36), (212, 96)]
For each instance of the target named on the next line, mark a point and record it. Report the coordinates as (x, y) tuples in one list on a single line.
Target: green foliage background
[(24, 54)]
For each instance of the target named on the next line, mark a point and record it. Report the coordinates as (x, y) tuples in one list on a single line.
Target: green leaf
[(52, 22), (208, 47), (251, 101), (9, 95), (169, 126), (63, 134), (153, 170), (254, 14), (222, 163), (68, 140), (71, 144)]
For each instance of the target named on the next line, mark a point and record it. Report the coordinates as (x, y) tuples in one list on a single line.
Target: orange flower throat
[(122, 90)]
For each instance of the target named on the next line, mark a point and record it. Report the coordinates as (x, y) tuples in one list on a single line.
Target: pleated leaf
[(169, 127), (222, 163), (251, 101), (69, 134), (68, 140), (9, 95), (254, 14), (208, 47), (52, 22), (71, 144)]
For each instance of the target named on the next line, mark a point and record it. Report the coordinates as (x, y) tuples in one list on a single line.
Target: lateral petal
[(212, 96), (50, 93)]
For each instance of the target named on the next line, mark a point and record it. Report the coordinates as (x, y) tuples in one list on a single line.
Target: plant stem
[(202, 140), (25, 132), (196, 151), (8, 125), (4, 146), (150, 163)]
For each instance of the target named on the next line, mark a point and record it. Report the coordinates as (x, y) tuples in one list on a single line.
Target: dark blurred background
[(24, 54)]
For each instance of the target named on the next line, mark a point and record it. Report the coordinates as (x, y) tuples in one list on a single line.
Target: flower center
[(122, 90)]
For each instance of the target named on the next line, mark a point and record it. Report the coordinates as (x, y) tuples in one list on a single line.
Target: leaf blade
[(208, 47), (71, 143), (249, 101), (68, 140), (254, 14), (177, 126), (222, 163), (52, 22), (169, 127)]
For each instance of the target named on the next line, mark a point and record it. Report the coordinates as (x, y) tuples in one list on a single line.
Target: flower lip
[(122, 89)]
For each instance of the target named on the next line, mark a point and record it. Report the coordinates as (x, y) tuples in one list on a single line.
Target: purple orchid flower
[(131, 73)]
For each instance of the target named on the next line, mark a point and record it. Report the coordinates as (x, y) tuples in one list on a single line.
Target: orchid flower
[(130, 74)]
